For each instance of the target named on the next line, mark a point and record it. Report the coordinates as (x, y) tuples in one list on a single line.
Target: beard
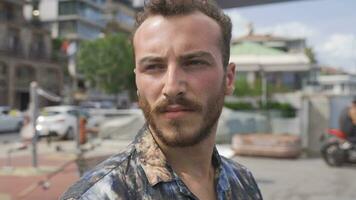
[(188, 130)]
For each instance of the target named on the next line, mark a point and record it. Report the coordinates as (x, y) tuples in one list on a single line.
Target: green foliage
[(286, 109), (309, 52), (242, 88), (277, 89), (239, 105), (108, 63)]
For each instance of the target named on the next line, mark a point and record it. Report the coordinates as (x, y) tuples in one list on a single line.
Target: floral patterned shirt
[(141, 172)]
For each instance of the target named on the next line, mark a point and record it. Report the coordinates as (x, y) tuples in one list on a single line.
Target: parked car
[(97, 105), (61, 121), (9, 122)]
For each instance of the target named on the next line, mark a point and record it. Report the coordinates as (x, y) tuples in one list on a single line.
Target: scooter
[(336, 150)]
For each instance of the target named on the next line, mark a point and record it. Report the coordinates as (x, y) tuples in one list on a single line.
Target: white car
[(61, 121), (9, 122)]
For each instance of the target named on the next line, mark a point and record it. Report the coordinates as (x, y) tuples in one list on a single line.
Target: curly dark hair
[(185, 7)]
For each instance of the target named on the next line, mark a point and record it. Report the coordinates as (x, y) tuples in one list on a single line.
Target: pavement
[(301, 179), (278, 179), (57, 168)]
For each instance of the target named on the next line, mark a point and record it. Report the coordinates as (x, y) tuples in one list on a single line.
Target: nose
[(174, 82)]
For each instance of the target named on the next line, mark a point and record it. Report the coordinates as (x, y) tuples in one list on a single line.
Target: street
[(301, 179), (278, 179), (6, 137)]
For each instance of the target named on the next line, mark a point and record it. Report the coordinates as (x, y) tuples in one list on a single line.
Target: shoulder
[(108, 175), (235, 167), (238, 173)]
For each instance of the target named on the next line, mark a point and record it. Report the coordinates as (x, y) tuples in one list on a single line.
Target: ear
[(230, 79)]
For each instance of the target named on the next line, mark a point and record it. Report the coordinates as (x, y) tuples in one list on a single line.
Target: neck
[(193, 160)]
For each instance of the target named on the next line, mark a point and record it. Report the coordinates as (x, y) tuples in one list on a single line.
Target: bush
[(240, 106), (286, 109), (242, 88)]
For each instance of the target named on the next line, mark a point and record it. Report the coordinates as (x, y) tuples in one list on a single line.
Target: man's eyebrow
[(197, 54), (148, 59)]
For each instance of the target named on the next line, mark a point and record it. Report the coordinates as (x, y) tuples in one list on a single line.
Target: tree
[(108, 63), (309, 52)]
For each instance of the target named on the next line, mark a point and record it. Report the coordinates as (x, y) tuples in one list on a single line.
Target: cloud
[(338, 50), (240, 24), (340, 45), (291, 29)]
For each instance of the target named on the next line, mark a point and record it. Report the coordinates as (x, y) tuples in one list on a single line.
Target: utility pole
[(34, 105), (263, 87), (35, 92)]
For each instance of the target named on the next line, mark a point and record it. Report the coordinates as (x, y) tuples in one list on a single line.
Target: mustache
[(188, 104)]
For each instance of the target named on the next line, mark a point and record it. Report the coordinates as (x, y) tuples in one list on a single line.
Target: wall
[(286, 126), (315, 122)]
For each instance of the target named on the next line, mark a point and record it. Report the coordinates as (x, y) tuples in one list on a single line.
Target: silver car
[(9, 122)]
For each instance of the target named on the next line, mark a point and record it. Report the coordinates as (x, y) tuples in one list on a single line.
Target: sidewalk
[(56, 171)]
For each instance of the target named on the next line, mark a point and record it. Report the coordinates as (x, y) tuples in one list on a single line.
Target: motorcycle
[(336, 150)]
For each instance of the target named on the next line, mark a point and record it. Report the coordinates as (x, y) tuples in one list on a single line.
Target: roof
[(251, 56), (251, 48), (260, 38)]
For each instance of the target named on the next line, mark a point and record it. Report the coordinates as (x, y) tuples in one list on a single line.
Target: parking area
[(301, 179)]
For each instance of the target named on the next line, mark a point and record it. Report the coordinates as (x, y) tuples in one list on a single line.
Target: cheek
[(207, 84), (148, 88)]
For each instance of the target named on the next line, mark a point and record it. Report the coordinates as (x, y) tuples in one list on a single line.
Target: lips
[(176, 111), (177, 108)]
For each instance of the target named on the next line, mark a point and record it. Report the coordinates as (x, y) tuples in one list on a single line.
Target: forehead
[(183, 32)]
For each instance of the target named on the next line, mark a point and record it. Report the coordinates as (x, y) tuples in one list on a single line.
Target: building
[(339, 84), (25, 56), (84, 19), (280, 61), (74, 21)]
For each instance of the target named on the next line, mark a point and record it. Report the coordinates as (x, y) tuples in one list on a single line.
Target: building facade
[(83, 19), (25, 56), (338, 84), (281, 62), (74, 21)]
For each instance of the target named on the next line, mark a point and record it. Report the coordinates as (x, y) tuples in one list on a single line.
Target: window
[(38, 45), (6, 12), (87, 31), (3, 69), (3, 76), (89, 12), (13, 41), (67, 27), (67, 8), (124, 18), (98, 2), (24, 76)]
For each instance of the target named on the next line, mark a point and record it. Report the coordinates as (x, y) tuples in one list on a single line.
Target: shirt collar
[(151, 157), (154, 162)]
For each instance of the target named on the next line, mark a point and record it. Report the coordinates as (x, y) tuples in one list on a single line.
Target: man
[(348, 121), (182, 75)]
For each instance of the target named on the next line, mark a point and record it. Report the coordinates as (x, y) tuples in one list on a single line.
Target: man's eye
[(197, 62), (154, 67)]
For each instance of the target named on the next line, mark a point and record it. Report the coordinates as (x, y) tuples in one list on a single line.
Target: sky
[(329, 27)]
